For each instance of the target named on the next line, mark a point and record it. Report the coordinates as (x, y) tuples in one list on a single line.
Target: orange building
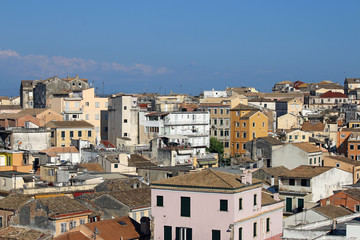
[(247, 123), (11, 160)]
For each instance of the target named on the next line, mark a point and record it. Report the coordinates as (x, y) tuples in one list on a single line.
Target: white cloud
[(35, 65)]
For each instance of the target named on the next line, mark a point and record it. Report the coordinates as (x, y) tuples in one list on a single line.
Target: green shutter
[(189, 234), (240, 234), (159, 201), (215, 234), (268, 225), (240, 204), (167, 233), (223, 205), (185, 206)]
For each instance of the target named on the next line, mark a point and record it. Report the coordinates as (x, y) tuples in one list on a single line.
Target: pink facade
[(205, 213)]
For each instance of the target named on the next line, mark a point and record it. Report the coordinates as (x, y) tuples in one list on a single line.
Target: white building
[(123, 119), (217, 94)]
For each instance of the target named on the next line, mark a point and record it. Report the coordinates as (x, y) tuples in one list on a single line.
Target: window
[(357, 208), (263, 124), (52, 134), (82, 221), (215, 235), (267, 224), (296, 137), (215, 111), (125, 134), (221, 122), (167, 233), (244, 124), (227, 111), (1, 222), (4, 182), (183, 233), (305, 182), (237, 124), (79, 134), (159, 201), (240, 204), (185, 207), (89, 133), (352, 157), (253, 124), (244, 146), (116, 165), (63, 227), (310, 161), (254, 135), (97, 116), (226, 133), (358, 147), (71, 134), (314, 160), (255, 199), (223, 205), (255, 229), (237, 134), (226, 144), (63, 135), (342, 135), (125, 120), (351, 146), (221, 111), (215, 121), (125, 107), (240, 234), (237, 146), (292, 182), (215, 132), (337, 165), (87, 116), (87, 104), (221, 133), (290, 137), (303, 137), (72, 224), (74, 116), (244, 134), (97, 104)]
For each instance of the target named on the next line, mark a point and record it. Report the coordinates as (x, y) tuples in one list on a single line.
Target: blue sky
[(184, 46)]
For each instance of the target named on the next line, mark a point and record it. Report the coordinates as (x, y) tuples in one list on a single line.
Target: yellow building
[(247, 123), (296, 135), (62, 132), (219, 109), (83, 105), (11, 160)]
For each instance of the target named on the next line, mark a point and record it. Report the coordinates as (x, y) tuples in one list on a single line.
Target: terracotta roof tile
[(305, 172), (267, 199), (137, 160), (354, 193), (307, 147), (96, 167), (332, 211), (244, 107), (205, 179), (331, 94), (23, 233), (72, 236), (69, 124), (313, 126), (62, 205), (344, 159), (57, 150), (12, 202)]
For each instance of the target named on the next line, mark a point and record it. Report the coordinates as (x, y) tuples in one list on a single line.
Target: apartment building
[(247, 123), (214, 205)]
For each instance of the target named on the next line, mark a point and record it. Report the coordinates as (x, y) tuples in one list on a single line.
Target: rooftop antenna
[(96, 232)]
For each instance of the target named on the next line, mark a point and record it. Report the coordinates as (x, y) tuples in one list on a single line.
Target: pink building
[(214, 205)]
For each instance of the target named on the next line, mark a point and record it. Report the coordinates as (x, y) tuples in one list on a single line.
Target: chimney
[(246, 177), (272, 181), (145, 226), (276, 196)]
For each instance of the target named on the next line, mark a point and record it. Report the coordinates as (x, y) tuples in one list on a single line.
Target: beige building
[(84, 105), (296, 135), (344, 163), (62, 132), (288, 121), (44, 115), (169, 103)]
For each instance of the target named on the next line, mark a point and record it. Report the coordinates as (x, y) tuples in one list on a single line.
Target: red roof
[(330, 94), (107, 144)]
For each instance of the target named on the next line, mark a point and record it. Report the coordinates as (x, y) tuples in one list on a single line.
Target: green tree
[(216, 147)]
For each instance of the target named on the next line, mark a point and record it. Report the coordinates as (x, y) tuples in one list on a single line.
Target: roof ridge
[(213, 172)]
